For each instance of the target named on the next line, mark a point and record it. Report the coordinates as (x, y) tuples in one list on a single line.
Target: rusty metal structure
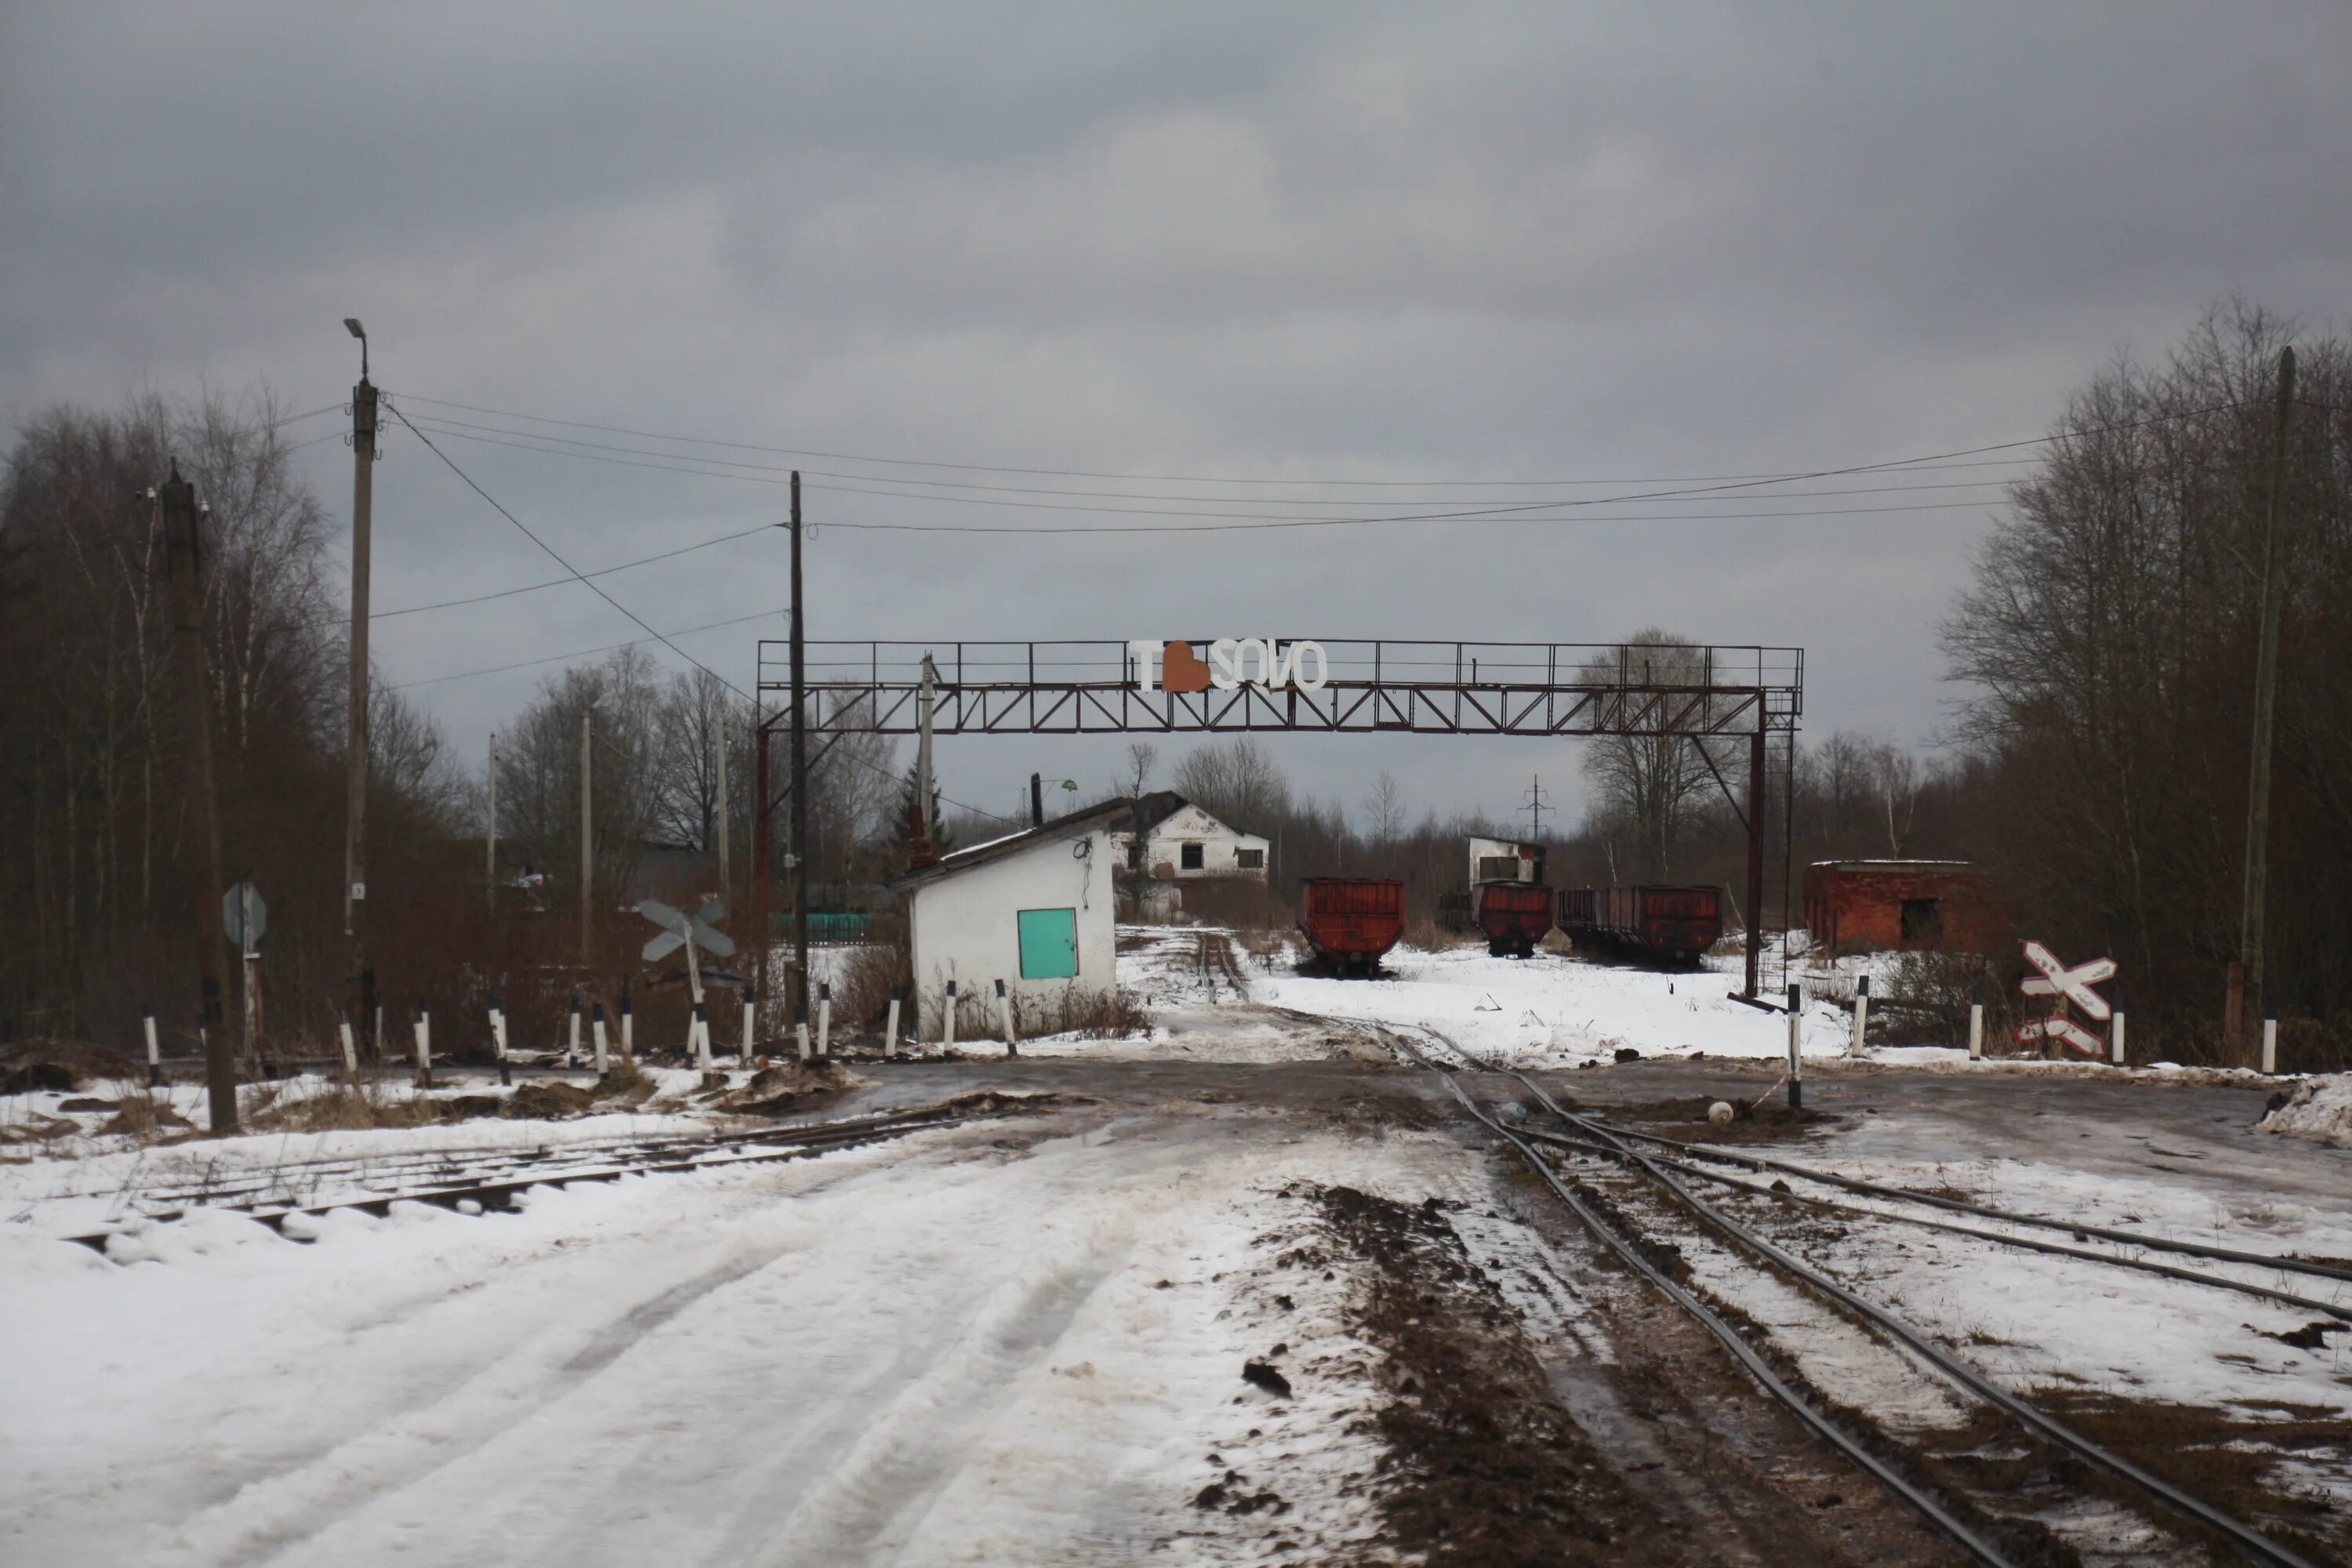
[(1749, 693)]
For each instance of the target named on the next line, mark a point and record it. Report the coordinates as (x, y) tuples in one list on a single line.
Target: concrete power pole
[(587, 848), (2258, 789), (177, 500), (800, 772), (360, 980)]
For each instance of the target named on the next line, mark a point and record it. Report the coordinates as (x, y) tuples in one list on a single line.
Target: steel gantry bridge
[(1334, 685)]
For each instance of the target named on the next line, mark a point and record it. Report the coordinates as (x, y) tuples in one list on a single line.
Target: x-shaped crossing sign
[(2075, 984)]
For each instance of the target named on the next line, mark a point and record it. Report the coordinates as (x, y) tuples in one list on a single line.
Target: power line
[(716, 468), (559, 560), (587, 652), (551, 582), (652, 635), (1200, 478), (1219, 521)]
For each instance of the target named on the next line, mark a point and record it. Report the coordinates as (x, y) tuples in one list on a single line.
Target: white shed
[(1034, 909), (1182, 843)]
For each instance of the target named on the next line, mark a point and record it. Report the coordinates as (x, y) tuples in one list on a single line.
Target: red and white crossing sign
[(2062, 1029), (2075, 984)]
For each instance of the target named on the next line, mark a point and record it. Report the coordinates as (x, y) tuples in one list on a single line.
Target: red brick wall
[(1859, 908)]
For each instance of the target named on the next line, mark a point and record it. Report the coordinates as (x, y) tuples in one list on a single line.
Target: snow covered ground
[(947, 1349), (2319, 1108)]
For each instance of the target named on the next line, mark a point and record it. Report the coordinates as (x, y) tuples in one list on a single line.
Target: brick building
[(1868, 906)]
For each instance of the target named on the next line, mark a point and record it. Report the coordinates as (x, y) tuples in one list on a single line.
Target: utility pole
[(177, 501), (2258, 789), (762, 836), (360, 980), (587, 846), (490, 834), (800, 772), (726, 884)]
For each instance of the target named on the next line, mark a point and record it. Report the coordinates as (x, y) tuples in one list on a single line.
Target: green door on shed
[(1049, 945)]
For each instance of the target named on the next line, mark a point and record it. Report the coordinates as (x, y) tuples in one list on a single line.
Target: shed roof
[(996, 849)]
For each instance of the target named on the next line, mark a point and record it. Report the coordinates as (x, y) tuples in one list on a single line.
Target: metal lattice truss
[(1366, 688)]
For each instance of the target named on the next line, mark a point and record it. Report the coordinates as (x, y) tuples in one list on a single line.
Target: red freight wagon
[(1514, 915), (1674, 923), (1350, 922)]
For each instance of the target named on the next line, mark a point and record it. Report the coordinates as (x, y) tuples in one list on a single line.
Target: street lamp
[(359, 333)]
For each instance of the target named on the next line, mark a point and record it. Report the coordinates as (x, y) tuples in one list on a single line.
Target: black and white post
[(1796, 1046)]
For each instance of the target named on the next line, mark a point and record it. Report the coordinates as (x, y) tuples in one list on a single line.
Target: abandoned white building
[(1183, 843), (1034, 909)]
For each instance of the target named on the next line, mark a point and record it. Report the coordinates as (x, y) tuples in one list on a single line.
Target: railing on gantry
[(1335, 685)]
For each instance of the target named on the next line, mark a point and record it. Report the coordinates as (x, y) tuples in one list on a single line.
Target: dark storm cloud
[(1481, 242)]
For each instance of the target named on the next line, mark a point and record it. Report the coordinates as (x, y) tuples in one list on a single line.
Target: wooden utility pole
[(177, 500), (800, 774), (587, 847), (2258, 789), (360, 980), (490, 834), (726, 885)]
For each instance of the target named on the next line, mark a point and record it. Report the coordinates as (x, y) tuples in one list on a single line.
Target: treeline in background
[(2095, 764)]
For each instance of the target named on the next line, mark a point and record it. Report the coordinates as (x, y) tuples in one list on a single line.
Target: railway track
[(1657, 1221), (492, 1178)]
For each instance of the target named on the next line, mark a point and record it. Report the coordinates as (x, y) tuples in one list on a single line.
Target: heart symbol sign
[(1181, 669)]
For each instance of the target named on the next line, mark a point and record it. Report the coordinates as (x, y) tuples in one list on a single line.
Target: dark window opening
[(1922, 919), (1250, 860), (1189, 858)]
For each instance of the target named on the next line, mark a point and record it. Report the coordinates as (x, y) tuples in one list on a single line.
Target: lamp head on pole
[(352, 323)]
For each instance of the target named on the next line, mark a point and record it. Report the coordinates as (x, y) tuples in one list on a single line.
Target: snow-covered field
[(1013, 1342), (942, 1351)]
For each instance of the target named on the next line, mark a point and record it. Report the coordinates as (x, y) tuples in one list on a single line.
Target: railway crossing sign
[(2068, 985), (680, 928), (2075, 984)]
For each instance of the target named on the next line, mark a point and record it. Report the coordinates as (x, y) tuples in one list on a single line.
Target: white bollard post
[(498, 1039), (701, 1031), (750, 1026), (1796, 1051), (628, 1026), (351, 1051), (2116, 1044), (824, 1017), (423, 1047), (571, 1051), (154, 1048), (596, 1028), (1860, 1013), (2269, 1044), (1975, 1023), (890, 1028), (947, 1033), (1004, 1019)]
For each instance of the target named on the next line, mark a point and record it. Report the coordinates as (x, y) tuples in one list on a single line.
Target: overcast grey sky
[(1460, 243)]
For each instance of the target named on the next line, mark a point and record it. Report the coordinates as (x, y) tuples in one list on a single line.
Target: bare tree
[(1142, 756), (1895, 776), (1384, 811), (1651, 784), (1237, 780)]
